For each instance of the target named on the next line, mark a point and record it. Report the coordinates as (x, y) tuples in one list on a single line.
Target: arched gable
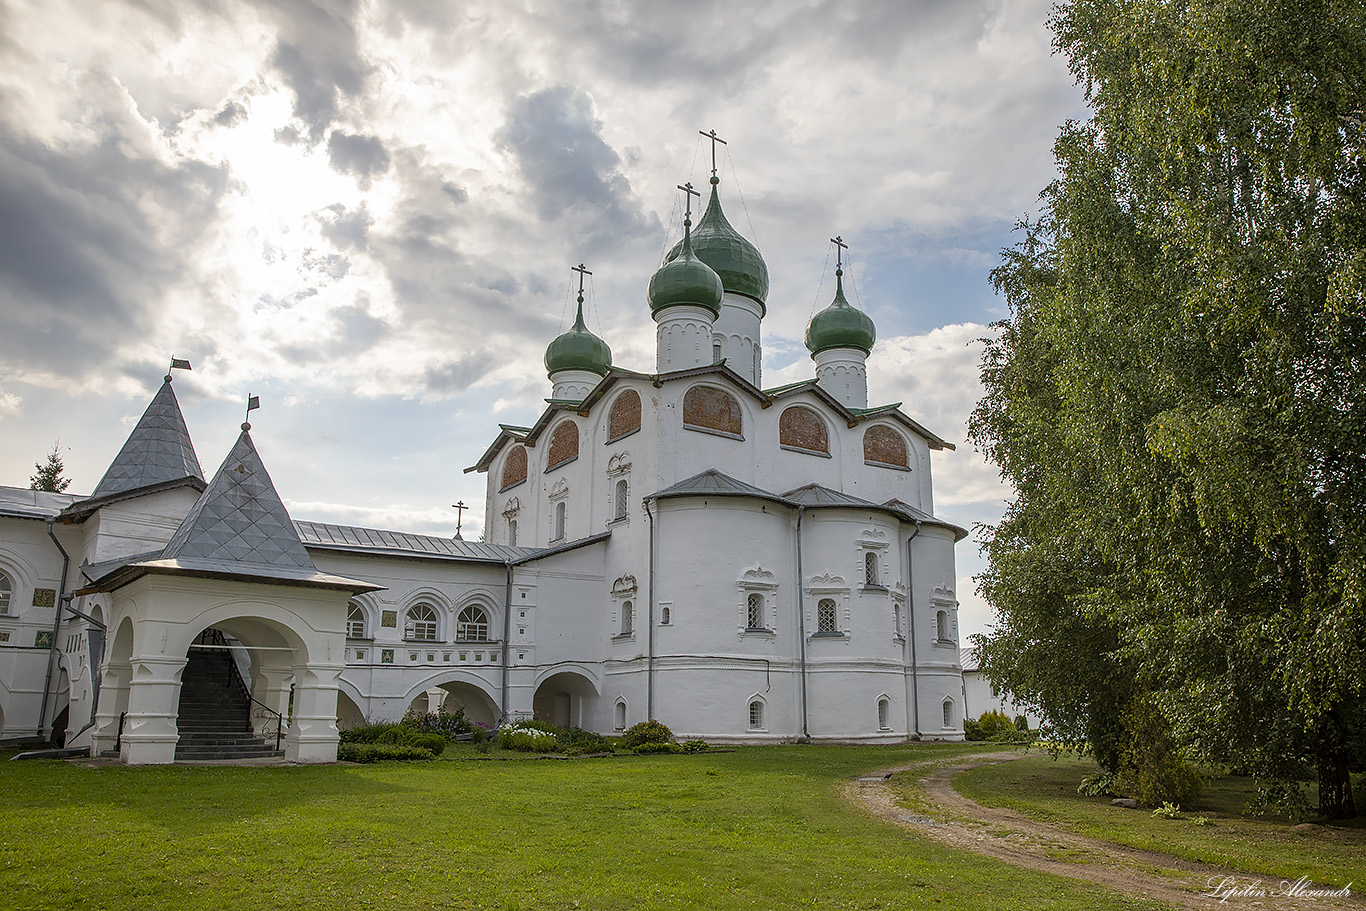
[(514, 468), (802, 428), (884, 446), (623, 418), (564, 444), (710, 408)]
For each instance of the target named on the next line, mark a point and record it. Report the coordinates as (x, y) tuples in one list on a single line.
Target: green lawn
[(757, 828), (1045, 789)]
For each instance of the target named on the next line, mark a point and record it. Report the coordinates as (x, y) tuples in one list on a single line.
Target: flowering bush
[(646, 732), (529, 737), (446, 724)]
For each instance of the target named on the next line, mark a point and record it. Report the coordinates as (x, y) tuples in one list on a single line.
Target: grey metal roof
[(158, 449), (816, 495), (714, 483), (239, 519), (967, 659), (33, 504), (325, 535)]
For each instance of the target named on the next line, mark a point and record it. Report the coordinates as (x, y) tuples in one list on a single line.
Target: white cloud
[(9, 404)]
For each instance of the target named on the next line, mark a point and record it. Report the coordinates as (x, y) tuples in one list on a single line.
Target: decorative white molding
[(559, 489), (512, 507), (619, 463), (624, 585)]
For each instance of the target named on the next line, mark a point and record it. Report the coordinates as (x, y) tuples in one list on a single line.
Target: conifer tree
[(49, 474)]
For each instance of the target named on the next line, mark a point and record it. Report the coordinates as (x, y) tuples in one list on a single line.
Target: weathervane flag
[(179, 363)]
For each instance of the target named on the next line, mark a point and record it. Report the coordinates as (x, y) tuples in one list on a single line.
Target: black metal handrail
[(118, 740), (216, 638)]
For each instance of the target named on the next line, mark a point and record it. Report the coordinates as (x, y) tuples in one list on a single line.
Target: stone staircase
[(215, 713)]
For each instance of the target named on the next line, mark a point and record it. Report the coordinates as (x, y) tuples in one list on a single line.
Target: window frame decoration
[(432, 624), (357, 620), (623, 594), (831, 587), (7, 587), (763, 584), (465, 625), (560, 450), (756, 712)]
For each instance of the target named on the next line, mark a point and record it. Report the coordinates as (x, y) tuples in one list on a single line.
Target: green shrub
[(1022, 723), (990, 726), (646, 732), (448, 725), (380, 752), (667, 746), (1151, 769), (694, 746), (577, 741), (1101, 784), (527, 738), (1167, 811), (365, 733)]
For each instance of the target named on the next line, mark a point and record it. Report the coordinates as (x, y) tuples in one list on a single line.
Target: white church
[(743, 564)]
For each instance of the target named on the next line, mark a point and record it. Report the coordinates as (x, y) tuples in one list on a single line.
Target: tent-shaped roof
[(239, 519), (158, 450)]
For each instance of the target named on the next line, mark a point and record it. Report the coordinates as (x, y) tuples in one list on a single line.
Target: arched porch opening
[(349, 714), (479, 708), (567, 699)]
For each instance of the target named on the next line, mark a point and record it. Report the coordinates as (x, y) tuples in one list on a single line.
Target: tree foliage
[(1179, 394), (48, 475)]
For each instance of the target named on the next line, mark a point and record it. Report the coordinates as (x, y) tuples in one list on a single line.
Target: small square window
[(360, 654), (4, 636), (431, 657), (493, 656), (464, 656), (445, 656), (412, 656)]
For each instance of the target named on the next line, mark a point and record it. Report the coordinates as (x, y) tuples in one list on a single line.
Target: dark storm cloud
[(459, 374), (361, 156), (90, 240), (556, 142), (318, 56), (347, 228), (231, 115)]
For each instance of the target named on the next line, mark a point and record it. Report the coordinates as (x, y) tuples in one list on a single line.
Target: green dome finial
[(578, 349), (685, 278), (726, 251), (840, 325)]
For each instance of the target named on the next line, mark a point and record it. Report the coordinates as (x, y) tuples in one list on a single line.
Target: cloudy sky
[(365, 212)]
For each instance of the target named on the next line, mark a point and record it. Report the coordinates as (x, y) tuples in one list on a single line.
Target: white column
[(113, 697), (150, 734), (573, 385), (737, 329), (312, 733), (270, 686)]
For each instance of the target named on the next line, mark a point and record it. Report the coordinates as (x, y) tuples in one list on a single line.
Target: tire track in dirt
[(1028, 843)]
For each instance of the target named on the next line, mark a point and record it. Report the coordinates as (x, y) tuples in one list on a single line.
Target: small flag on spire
[(253, 402), (180, 364)]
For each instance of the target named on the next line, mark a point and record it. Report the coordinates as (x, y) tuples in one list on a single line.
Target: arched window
[(883, 711), (6, 592), (514, 469), (756, 715), (620, 724), (472, 625), (755, 611), (624, 417), (628, 618), (709, 408), (420, 624), (664, 615), (801, 428), (620, 499), (948, 713), (716, 351), (355, 621), (941, 626), (512, 532), (825, 616), (870, 569), (564, 444), (560, 513), (884, 446)]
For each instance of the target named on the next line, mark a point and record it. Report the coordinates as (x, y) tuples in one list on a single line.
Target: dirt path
[(1016, 839)]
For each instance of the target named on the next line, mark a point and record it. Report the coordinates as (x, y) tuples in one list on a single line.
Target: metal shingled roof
[(33, 504), (158, 449), (816, 495), (380, 541), (714, 483), (239, 519)]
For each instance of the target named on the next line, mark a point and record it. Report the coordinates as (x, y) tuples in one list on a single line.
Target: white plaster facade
[(745, 566)]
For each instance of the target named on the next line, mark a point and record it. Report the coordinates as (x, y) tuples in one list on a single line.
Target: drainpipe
[(56, 624), (650, 607), (801, 623), (910, 616), (507, 636)]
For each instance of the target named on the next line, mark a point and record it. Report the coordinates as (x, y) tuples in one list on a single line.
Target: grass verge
[(1046, 789), (760, 827)]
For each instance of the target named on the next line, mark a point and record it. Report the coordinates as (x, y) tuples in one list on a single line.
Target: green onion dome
[(578, 349), (840, 325), (734, 258), (685, 279)]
